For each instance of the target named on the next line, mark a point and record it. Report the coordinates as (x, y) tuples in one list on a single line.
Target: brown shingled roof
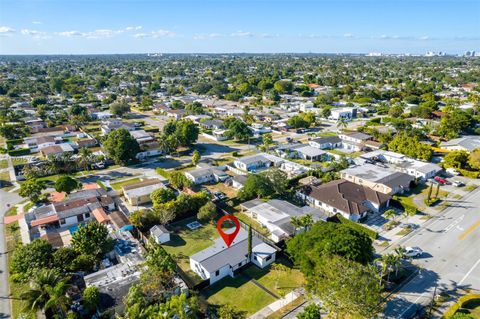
[(345, 196)]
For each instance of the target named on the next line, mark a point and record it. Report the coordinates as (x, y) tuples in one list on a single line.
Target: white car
[(452, 171), (457, 184), (413, 251)]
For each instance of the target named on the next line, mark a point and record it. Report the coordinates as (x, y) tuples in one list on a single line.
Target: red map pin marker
[(228, 238)]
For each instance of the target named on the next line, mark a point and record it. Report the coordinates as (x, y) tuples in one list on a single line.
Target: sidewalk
[(276, 305)]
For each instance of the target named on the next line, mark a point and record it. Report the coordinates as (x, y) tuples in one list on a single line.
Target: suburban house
[(219, 261), (206, 175), (212, 124), (258, 129), (351, 200), (354, 141), (238, 181), (329, 142), (276, 216), (114, 124), (37, 143), (80, 207), (160, 234), (399, 162), (139, 193), (252, 163), (56, 150), (311, 153), (288, 150), (465, 143), (148, 144), (347, 113), (378, 178)]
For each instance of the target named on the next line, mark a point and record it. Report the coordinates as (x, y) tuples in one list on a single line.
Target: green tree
[(390, 214), (207, 212), (453, 123), (297, 121), (196, 157), (267, 140), (395, 111), (92, 239), (410, 146), (283, 86), (256, 185), (91, 298), (228, 312), (455, 159), (27, 259), (342, 123), (162, 195), (48, 292), (307, 248), (178, 180), (67, 184), (237, 129), (119, 108), (32, 189), (312, 311), (347, 289), (121, 146), (85, 158), (474, 159)]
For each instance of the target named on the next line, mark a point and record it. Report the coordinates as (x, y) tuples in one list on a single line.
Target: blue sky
[(319, 26)]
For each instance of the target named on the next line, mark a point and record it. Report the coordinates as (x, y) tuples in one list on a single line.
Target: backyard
[(185, 242)]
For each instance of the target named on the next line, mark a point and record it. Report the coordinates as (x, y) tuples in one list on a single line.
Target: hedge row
[(363, 229), (461, 301), (162, 172), (469, 174), (19, 152)]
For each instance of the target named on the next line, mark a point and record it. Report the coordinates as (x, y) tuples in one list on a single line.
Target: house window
[(87, 215), (217, 273), (240, 264), (334, 210), (62, 221), (268, 258)]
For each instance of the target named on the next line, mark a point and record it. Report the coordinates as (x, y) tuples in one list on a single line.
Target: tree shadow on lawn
[(228, 281), (175, 241)]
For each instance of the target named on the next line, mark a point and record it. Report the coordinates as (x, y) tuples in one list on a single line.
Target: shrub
[(469, 174), (19, 152), (359, 227), (162, 172), (102, 185), (461, 301), (431, 201)]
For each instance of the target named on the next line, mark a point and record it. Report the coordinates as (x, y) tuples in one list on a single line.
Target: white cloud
[(37, 22), (139, 27), (35, 34), (269, 35), (207, 36), (348, 35), (156, 34), (6, 31), (242, 34), (70, 34)]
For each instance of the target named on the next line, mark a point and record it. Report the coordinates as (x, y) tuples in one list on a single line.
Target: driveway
[(9, 199), (451, 259)]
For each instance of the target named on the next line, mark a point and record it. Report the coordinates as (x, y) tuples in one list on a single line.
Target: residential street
[(451, 258), (5, 199)]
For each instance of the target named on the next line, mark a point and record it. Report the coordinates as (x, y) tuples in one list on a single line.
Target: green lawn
[(118, 185), (239, 292), (185, 242), (341, 153), (3, 163), (12, 234), (278, 281), (19, 161)]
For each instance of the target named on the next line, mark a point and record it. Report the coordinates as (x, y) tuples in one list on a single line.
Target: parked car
[(413, 252), (440, 180), (409, 226), (457, 184), (219, 195), (452, 171)]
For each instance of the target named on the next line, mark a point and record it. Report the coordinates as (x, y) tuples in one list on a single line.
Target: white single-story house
[(252, 163), (218, 261), (206, 175)]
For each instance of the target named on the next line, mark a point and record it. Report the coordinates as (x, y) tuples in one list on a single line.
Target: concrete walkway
[(276, 305)]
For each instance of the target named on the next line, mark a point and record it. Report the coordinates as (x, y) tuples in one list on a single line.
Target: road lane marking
[(469, 272), (413, 304), (455, 223), (468, 231)]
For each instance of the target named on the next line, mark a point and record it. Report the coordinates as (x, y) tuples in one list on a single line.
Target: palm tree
[(387, 261), (390, 214), (306, 221), (85, 158), (342, 122), (47, 292), (296, 222)]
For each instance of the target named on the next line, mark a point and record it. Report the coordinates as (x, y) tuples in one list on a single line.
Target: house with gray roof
[(328, 142), (207, 174), (252, 162), (219, 261), (465, 143)]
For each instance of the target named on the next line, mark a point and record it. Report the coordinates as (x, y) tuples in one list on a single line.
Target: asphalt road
[(5, 199), (451, 258)]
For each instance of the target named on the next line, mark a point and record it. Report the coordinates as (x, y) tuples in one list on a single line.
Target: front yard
[(243, 291)]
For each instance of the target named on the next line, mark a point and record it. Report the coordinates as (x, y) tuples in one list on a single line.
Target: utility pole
[(433, 301)]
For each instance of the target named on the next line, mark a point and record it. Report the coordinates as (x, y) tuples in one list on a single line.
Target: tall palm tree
[(306, 221), (85, 158), (342, 122), (47, 292), (296, 222)]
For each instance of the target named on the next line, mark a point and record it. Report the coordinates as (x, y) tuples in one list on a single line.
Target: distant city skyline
[(261, 26)]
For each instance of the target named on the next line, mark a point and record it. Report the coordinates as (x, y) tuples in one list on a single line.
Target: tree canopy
[(121, 146)]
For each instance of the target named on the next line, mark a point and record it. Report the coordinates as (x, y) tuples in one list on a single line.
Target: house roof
[(44, 220), (100, 215), (358, 135), (345, 196), (119, 219), (468, 142), (327, 140), (378, 174), (219, 255), (158, 230), (253, 159), (310, 151)]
